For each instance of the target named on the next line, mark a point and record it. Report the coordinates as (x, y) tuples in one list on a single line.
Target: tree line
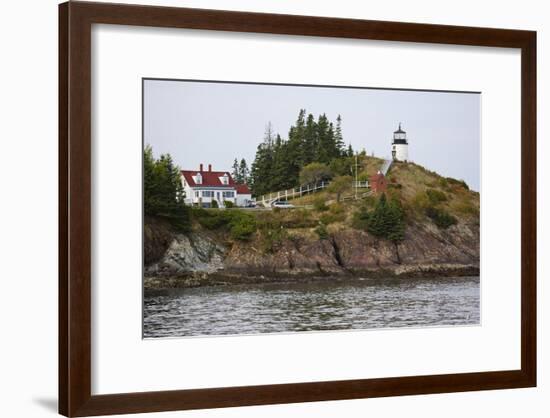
[(163, 193), (278, 162)]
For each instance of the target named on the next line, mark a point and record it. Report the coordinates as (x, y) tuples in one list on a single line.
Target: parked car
[(250, 205), (283, 204)]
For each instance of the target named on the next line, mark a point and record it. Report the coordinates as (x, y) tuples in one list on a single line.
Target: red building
[(378, 183)]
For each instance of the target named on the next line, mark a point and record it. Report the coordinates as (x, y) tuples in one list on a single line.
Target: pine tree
[(339, 139), (236, 174), (243, 172), (278, 162), (163, 193), (377, 225), (396, 233), (263, 164), (310, 140)]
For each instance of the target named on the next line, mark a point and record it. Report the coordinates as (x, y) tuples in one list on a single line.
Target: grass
[(424, 196)]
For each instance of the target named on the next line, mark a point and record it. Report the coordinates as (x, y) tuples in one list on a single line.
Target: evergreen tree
[(163, 193), (339, 139), (387, 221), (377, 222), (310, 140), (396, 234), (243, 172), (278, 162), (263, 165), (236, 173)]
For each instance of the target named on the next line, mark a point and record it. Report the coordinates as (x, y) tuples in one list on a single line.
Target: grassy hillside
[(424, 197), (420, 192)]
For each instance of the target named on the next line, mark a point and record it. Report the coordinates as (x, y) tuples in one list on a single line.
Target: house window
[(229, 194), (207, 193), (225, 179), (198, 178), (196, 194)]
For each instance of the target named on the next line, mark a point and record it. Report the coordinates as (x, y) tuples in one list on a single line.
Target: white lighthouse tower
[(400, 146)]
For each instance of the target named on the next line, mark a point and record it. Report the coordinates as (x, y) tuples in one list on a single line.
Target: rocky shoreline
[(208, 258), (197, 279)]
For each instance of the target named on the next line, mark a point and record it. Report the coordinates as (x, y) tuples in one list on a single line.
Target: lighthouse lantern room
[(400, 146)]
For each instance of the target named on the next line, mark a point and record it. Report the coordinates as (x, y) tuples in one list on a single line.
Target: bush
[(337, 208), (299, 218), (242, 227), (211, 220), (272, 238), (239, 224), (329, 218), (468, 209), (228, 204), (320, 205), (436, 196), (321, 231), (214, 204), (440, 217)]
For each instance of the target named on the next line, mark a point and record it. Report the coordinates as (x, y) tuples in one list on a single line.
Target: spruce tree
[(339, 139), (163, 193), (243, 172), (236, 174), (263, 164)]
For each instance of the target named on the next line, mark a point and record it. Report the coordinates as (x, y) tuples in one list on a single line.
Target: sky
[(214, 123)]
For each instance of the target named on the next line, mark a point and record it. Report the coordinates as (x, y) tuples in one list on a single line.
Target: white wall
[(28, 206)]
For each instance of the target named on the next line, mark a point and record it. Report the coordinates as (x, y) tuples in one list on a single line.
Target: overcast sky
[(213, 123)]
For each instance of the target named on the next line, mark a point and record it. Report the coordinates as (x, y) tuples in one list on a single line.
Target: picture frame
[(75, 206)]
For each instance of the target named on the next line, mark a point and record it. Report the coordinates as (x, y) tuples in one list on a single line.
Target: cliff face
[(202, 257)]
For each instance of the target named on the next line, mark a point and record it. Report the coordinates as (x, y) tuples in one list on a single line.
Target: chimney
[(209, 167), (200, 167)]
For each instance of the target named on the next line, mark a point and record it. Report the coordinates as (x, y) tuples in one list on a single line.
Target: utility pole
[(356, 174)]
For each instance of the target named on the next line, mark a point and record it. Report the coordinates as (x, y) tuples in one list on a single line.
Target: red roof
[(212, 179), (242, 189)]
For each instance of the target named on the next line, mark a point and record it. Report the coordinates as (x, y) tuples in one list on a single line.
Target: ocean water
[(317, 305)]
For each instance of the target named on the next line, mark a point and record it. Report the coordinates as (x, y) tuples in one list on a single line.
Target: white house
[(203, 187), (400, 146)]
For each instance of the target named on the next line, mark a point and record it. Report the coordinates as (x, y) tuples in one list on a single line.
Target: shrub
[(242, 227), (228, 204), (239, 224), (364, 176), (329, 218), (320, 205), (436, 196), (321, 231), (337, 208), (272, 238), (440, 217), (211, 220), (214, 204), (467, 208)]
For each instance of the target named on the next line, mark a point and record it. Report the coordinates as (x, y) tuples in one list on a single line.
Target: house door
[(218, 199)]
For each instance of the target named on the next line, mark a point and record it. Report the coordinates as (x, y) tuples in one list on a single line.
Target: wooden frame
[(75, 21)]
